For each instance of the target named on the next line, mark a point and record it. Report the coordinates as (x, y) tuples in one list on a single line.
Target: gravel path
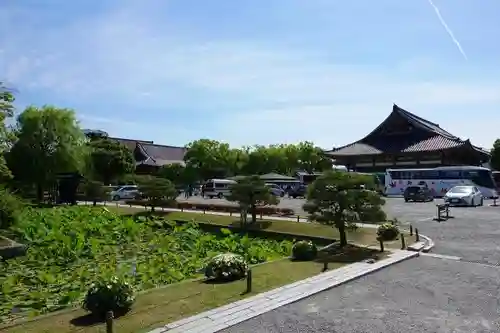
[(421, 295)]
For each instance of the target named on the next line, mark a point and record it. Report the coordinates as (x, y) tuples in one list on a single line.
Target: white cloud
[(266, 93)]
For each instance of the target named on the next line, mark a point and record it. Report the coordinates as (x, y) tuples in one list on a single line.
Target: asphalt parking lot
[(419, 295), (472, 234)]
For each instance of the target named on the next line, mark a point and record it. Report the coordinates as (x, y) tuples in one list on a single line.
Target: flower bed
[(70, 248), (266, 210)]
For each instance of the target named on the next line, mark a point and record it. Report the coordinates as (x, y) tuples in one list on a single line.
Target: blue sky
[(256, 71)]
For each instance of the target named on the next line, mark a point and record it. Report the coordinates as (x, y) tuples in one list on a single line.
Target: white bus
[(439, 180), (218, 188)]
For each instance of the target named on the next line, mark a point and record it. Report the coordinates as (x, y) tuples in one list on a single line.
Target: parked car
[(418, 194), (276, 190), (298, 192), (125, 192), (464, 195)]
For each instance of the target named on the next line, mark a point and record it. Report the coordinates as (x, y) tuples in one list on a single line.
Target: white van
[(218, 188)]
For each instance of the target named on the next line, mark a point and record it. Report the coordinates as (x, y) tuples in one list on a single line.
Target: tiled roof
[(428, 137), (433, 143), (159, 155), (130, 143), (154, 154)]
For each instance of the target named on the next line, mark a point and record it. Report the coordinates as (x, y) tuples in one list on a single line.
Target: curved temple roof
[(435, 139)]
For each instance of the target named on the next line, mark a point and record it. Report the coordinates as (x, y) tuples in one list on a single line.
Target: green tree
[(49, 142), (173, 172), (338, 198), (6, 134), (495, 155), (95, 191), (212, 159), (157, 191), (311, 158), (251, 192), (110, 160)]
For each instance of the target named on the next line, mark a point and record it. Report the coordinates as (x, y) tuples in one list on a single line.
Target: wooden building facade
[(404, 140)]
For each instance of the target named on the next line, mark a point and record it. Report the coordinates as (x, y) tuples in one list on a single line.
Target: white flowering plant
[(113, 294), (387, 231), (226, 267)]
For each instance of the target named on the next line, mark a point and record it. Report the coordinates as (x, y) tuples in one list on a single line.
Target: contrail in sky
[(448, 30)]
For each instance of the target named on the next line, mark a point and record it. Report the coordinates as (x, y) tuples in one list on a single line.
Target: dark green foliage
[(157, 190), (110, 160), (251, 192), (339, 198), (10, 208), (388, 232), (94, 191), (495, 155), (109, 295), (304, 250)]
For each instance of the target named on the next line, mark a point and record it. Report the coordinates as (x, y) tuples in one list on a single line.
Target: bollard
[(109, 322), (298, 218), (403, 243), (381, 245), (325, 266), (249, 281), (411, 230), (417, 236)]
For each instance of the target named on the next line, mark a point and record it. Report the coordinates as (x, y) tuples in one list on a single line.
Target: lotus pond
[(69, 247)]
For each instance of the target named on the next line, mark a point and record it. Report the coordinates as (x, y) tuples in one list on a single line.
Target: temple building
[(150, 156), (404, 140)]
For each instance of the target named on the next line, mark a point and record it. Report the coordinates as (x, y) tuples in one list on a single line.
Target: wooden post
[(249, 281), (403, 243), (298, 218), (109, 322), (381, 245), (325, 266), (417, 236), (411, 230)]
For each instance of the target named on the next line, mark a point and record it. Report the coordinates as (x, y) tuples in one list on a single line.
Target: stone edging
[(220, 318)]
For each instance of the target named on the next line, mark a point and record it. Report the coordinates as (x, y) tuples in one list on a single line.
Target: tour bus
[(379, 184), (439, 180), (218, 188)]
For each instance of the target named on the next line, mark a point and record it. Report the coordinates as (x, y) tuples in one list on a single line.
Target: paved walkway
[(220, 318)]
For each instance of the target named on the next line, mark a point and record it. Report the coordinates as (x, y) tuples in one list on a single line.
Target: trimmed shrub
[(304, 250), (10, 207), (387, 232), (226, 267), (109, 295)]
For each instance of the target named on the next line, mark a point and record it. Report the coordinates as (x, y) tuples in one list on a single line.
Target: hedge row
[(266, 210)]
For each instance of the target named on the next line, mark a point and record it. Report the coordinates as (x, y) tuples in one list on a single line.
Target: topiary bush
[(304, 250), (109, 295), (10, 208), (226, 267), (387, 232)]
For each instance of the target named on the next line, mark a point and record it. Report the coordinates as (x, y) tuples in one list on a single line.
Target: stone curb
[(214, 320)]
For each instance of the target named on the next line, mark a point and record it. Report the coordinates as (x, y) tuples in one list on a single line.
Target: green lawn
[(160, 306)]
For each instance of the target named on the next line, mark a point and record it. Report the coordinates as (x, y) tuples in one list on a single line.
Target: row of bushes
[(265, 210)]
